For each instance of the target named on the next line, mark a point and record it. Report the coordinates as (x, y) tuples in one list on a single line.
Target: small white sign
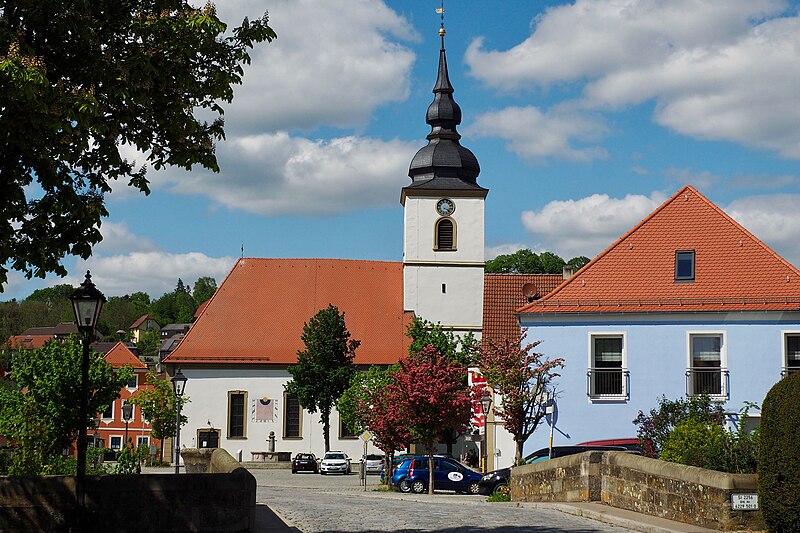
[(455, 476), (744, 502)]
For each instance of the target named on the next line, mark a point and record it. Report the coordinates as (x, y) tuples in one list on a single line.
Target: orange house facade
[(111, 429)]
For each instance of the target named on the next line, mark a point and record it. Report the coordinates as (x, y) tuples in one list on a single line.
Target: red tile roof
[(120, 356), (258, 312), (140, 321), (734, 270), (503, 293), (201, 308), (28, 342)]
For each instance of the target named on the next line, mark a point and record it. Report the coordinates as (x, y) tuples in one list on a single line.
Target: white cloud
[(587, 226), (118, 238), (532, 134), (333, 63), (155, 272), (774, 219), (503, 249), (715, 70), (276, 174)]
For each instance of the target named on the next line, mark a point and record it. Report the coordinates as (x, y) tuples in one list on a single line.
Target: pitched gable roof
[(734, 270), (503, 293), (120, 356), (139, 321), (258, 312), (28, 342)]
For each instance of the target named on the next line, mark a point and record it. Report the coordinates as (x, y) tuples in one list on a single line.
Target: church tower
[(443, 250)]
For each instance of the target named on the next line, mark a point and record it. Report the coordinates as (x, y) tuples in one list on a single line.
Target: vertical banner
[(475, 378)]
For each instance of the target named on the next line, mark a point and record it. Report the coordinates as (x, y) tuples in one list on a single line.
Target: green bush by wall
[(779, 459)]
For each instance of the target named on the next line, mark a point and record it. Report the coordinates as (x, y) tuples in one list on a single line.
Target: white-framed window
[(707, 372), (115, 442), (791, 352), (108, 414), (133, 382), (607, 377), (142, 440)]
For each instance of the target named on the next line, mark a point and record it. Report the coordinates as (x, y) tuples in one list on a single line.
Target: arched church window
[(445, 235)]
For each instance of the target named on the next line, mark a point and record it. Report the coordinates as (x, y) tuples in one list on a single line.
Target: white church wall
[(420, 223), (208, 390)]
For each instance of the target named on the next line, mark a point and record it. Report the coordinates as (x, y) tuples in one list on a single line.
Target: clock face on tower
[(445, 207)]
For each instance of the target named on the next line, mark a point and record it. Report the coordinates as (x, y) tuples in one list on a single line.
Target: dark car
[(497, 480), (304, 462), (448, 474)]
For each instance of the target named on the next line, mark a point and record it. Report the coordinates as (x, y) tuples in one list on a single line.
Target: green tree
[(520, 262), (551, 263), (204, 289), (149, 343), (39, 409), (779, 457), (78, 82), (324, 369), (578, 262), (357, 394), (159, 407), (176, 307), (119, 312)]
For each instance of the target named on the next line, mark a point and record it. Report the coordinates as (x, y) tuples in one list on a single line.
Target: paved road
[(315, 504)]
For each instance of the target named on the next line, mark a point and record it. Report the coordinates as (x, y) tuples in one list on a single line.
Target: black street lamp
[(486, 404), (178, 385), (87, 302), (127, 415)]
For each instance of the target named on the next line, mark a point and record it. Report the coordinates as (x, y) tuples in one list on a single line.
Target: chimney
[(568, 271)]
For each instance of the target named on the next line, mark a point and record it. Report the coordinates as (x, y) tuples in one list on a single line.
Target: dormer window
[(684, 265)]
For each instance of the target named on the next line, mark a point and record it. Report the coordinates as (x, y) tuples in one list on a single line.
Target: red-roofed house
[(112, 425), (688, 302), (142, 325)]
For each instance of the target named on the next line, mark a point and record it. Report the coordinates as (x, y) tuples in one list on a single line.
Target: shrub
[(779, 457), (653, 429), (696, 443)]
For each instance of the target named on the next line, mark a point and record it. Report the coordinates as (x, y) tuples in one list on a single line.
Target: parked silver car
[(374, 463), (335, 461)]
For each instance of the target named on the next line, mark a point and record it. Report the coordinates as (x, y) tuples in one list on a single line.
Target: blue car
[(448, 474)]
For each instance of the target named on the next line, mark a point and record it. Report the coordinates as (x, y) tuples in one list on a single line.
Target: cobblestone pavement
[(315, 504)]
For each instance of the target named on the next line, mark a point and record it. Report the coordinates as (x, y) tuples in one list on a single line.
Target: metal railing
[(791, 369), (607, 383), (707, 381)]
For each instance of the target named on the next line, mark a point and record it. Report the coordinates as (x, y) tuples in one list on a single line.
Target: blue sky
[(584, 116)]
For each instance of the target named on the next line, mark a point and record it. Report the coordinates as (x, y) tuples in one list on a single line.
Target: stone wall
[(683, 493), (221, 500)]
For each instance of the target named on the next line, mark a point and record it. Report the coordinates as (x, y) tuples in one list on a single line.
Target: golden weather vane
[(440, 10)]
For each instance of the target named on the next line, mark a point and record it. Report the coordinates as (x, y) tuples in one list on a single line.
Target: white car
[(335, 461)]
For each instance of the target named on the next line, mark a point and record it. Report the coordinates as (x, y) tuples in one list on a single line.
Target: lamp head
[(179, 383), (87, 302)]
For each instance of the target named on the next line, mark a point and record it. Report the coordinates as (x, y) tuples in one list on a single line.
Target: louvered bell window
[(444, 234)]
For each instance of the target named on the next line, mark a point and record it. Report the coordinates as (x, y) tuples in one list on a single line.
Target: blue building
[(688, 302)]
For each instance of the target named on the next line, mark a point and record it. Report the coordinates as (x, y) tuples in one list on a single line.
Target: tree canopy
[(527, 262), (159, 407), (79, 80), (39, 406), (324, 369), (521, 377)]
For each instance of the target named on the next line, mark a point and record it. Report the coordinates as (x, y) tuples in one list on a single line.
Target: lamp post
[(127, 415), (178, 385), (87, 302), (486, 404)]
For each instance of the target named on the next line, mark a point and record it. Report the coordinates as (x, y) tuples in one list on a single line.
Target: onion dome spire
[(444, 163)]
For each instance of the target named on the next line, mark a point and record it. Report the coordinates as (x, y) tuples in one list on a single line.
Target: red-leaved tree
[(521, 378), (429, 396), (382, 419)]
